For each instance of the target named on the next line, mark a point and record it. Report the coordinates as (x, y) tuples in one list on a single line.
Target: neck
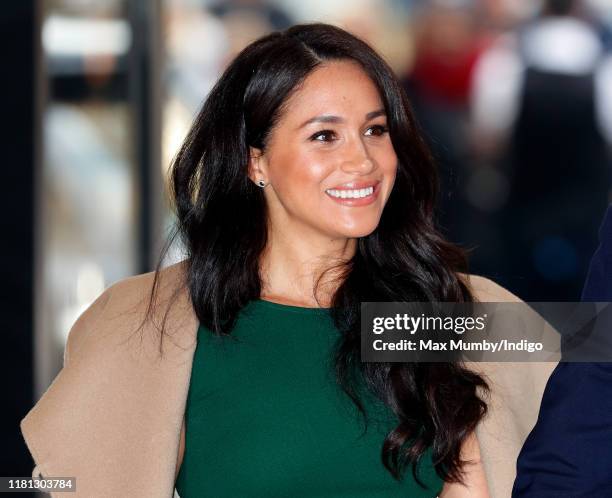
[(292, 263)]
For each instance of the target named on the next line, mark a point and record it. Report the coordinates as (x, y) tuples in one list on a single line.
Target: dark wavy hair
[(221, 219)]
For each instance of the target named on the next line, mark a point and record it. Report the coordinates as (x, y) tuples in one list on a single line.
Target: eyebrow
[(328, 118)]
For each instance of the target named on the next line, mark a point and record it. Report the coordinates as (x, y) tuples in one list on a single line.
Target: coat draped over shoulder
[(112, 417)]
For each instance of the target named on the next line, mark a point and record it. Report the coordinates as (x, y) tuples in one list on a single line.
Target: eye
[(377, 130), (323, 136)]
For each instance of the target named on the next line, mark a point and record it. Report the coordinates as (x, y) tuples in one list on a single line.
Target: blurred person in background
[(296, 197), (450, 37), (448, 41), (542, 110)]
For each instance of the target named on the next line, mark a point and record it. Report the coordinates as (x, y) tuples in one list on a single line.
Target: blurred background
[(513, 96)]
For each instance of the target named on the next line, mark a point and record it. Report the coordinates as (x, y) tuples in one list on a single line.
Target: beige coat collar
[(112, 416)]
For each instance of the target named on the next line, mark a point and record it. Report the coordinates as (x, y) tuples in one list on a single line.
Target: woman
[(302, 189)]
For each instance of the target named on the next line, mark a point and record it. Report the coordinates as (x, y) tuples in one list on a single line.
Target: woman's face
[(329, 160)]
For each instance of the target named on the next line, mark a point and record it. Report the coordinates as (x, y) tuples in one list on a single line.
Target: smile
[(354, 197), (351, 194)]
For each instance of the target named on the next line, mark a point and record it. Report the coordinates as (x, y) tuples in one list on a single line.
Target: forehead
[(338, 87)]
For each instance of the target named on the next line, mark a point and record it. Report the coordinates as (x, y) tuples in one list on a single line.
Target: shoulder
[(130, 291), (126, 301), (132, 288), (486, 290)]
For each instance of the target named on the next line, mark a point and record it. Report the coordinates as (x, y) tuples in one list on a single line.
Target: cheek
[(387, 158), (301, 171), (388, 164), (386, 161)]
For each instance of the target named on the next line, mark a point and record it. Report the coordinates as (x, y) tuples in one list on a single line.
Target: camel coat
[(112, 417)]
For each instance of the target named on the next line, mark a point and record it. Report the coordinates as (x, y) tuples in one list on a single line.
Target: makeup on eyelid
[(383, 129)]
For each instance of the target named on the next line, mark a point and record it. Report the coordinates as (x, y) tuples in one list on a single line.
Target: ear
[(257, 169)]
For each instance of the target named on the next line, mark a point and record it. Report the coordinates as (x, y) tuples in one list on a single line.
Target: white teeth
[(351, 194)]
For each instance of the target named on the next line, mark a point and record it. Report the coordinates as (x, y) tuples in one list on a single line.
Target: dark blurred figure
[(448, 43), (549, 90), (567, 453)]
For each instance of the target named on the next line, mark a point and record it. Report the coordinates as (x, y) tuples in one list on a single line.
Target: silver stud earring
[(261, 183)]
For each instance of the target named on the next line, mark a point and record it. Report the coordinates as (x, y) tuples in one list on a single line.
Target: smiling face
[(329, 161)]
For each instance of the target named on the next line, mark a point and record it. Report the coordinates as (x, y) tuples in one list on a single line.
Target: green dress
[(265, 417)]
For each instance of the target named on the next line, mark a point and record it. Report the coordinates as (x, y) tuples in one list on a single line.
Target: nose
[(357, 159)]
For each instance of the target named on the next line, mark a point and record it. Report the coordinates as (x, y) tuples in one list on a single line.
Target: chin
[(357, 232)]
